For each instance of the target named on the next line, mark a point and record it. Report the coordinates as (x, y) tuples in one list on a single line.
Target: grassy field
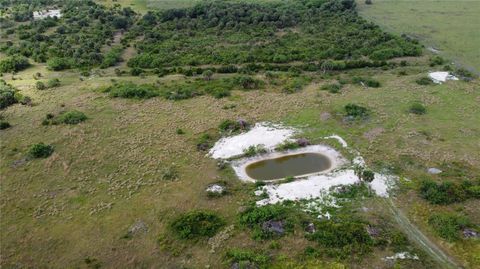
[(449, 26), (104, 174)]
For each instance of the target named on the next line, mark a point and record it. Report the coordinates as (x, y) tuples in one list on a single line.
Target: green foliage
[(180, 131), (40, 86), (248, 258), (436, 60), (342, 239), (448, 192), (40, 150), (52, 83), (417, 108), (356, 112), (58, 64), (254, 217), (197, 224), (112, 57), (424, 81), (287, 145), (448, 225), (7, 95), (353, 191), (368, 175), (254, 150), (4, 125), (204, 142), (131, 90), (71, 117), (332, 88), (13, 63)]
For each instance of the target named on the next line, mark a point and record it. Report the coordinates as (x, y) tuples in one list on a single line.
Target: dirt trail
[(415, 235)]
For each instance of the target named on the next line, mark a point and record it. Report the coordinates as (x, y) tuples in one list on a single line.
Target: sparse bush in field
[(368, 82), (180, 131), (71, 117), (180, 92), (417, 108), (13, 63), (197, 224), (332, 88), (248, 258), (247, 83), (52, 83), (22, 99), (424, 81), (169, 173), (218, 92), (254, 150), (40, 86), (4, 125), (40, 150), (356, 112), (295, 85), (448, 225), (130, 90), (464, 74), (254, 218), (436, 60)]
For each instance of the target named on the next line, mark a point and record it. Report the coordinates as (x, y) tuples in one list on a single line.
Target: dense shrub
[(448, 192), (71, 117), (417, 108), (368, 82), (424, 81), (52, 83), (197, 224), (58, 64), (13, 63), (40, 86), (356, 112), (7, 95), (448, 225), (342, 238), (131, 90), (4, 125), (248, 258), (436, 60), (254, 217), (40, 150)]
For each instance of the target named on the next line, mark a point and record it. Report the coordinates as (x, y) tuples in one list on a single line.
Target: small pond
[(288, 165)]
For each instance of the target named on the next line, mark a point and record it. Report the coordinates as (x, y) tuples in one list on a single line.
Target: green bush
[(58, 64), (40, 86), (204, 142), (71, 117), (4, 125), (7, 95), (40, 150), (13, 63), (169, 173), (356, 112), (254, 150), (248, 258), (448, 225), (424, 81), (52, 83), (332, 88), (131, 90), (197, 224), (369, 82), (417, 108), (254, 217), (287, 145), (229, 126), (436, 60), (443, 193)]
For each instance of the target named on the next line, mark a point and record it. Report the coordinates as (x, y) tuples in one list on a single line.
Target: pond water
[(288, 165)]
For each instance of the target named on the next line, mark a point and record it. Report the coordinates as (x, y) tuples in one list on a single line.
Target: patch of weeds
[(4, 125), (247, 82), (355, 111), (436, 60), (169, 173), (230, 126), (254, 150), (131, 90), (287, 145), (204, 142), (295, 85), (248, 258), (448, 192), (52, 83), (197, 224), (424, 81), (417, 109), (448, 225), (40, 150), (230, 106), (332, 88)]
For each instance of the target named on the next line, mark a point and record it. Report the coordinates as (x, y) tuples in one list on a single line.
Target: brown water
[(289, 165)]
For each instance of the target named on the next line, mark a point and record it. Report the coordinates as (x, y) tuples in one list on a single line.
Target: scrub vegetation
[(108, 112)]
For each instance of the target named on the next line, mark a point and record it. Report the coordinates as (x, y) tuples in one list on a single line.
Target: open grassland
[(76, 206), (449, 26)]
